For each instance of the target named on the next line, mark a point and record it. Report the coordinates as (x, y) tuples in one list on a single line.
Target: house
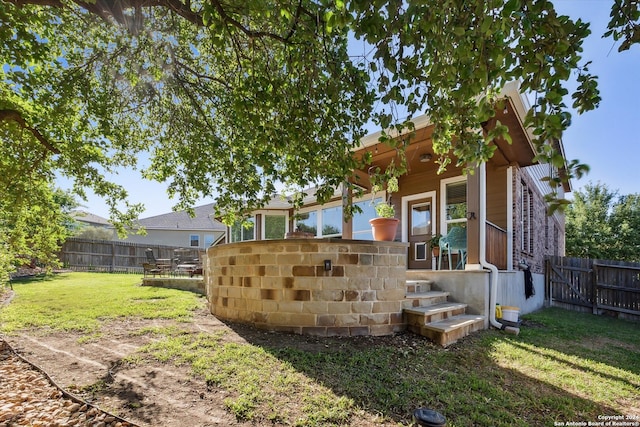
[(180, 229), (500, 210), (89, 219)]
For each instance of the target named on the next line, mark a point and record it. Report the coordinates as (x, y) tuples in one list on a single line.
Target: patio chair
[(163, 265), (454, 242), (150, 269)]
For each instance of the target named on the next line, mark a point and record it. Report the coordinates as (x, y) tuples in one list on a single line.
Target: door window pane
[(421, 219)]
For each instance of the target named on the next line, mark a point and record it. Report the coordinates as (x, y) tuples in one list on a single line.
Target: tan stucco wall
[(282, 285)]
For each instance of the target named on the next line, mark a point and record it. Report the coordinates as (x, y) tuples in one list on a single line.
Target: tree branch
[(13, 115)]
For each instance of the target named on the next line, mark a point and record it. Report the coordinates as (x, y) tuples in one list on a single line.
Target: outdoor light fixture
[(426, 157)]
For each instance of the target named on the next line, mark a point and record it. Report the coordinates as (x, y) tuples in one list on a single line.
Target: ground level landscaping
[(156, 357)]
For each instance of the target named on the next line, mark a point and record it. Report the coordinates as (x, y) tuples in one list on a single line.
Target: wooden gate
[(594, 285)]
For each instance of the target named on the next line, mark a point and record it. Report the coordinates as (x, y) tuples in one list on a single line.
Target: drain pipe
[(493, 285)]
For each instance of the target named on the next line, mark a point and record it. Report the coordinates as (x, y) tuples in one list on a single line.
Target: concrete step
[(424, 299), (418, 285), (420, 316), (448, 331)]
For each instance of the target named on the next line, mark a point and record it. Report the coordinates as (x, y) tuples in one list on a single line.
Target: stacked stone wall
[(283, 285)]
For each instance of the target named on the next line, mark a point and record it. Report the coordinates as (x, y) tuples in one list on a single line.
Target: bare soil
[(151, 393)]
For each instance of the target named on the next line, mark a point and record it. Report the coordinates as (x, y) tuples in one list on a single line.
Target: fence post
[(113, 257), (594, 283)]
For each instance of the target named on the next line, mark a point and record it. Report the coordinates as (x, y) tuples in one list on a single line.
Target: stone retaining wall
[(284, 285), (192, 284)]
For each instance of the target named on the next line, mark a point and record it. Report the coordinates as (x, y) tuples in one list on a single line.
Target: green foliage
[(434, 241), (81, 301), (625, 16), (228, 101), (94, 233), (602, 224), (561, 364)]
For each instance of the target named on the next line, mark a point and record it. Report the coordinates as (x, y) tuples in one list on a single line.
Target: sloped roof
[(203, 220), (89, 218)]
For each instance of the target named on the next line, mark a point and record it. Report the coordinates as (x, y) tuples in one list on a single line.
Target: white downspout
[(493, 285)]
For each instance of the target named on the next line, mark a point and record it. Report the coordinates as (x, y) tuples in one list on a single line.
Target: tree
[(231, 99), (625, 220), (93, 233), (601, 224)]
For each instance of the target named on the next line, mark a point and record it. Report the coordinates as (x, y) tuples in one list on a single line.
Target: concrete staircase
[(429, 313)]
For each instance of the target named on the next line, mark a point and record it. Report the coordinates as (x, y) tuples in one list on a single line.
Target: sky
[(607, 139)]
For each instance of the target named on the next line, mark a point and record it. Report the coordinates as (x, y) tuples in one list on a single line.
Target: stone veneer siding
[(282, 285)]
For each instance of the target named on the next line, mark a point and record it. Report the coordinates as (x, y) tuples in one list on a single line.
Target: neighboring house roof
[(203, 220), (89, 218)]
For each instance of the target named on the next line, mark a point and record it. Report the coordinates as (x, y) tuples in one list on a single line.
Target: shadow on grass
[(36, 278), (393, 376)]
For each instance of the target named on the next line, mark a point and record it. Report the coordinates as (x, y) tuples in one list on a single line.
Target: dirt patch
[(152, 393)]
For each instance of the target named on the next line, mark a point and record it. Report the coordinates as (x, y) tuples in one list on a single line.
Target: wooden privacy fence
[(594, 285), (117, 257)]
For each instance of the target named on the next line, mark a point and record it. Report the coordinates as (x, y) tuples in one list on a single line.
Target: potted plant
[(434, 243), (386, 225)]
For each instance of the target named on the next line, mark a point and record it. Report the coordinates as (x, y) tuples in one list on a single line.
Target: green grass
[(564, 366), (82, 301)]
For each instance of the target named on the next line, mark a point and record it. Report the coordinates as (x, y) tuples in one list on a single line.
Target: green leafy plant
[(387, 180), (434, 241)]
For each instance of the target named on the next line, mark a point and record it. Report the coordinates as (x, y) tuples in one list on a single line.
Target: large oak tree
[(229, 99)]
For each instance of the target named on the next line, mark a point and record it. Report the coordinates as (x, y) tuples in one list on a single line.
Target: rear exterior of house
[(180, 229), (500, 209)]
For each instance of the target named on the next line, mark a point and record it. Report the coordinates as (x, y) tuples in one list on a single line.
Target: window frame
[(444, 221), (242, 233), (263, 221)]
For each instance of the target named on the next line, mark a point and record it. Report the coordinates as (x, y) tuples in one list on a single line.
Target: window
[(194, 240), (526, 218), (361, 228), (208, 240), (242, 232), (327, 219), (308, 222), (332, 221), (275, 226), (455, 204)]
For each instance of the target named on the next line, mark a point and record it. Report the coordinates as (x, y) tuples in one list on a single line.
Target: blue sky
[(607, 139)]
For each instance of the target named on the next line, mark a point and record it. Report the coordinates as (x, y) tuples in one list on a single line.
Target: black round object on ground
[(426, 417)]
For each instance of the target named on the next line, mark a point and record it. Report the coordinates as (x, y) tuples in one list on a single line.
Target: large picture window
[(275, 226)]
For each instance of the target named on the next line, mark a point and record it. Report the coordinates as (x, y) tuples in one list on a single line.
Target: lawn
[(564, 367)]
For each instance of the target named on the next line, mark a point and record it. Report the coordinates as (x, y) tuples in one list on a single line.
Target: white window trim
[(318, 209), (190, 240), (263, 220), (443, 202), (405, 211), (230, 231)]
